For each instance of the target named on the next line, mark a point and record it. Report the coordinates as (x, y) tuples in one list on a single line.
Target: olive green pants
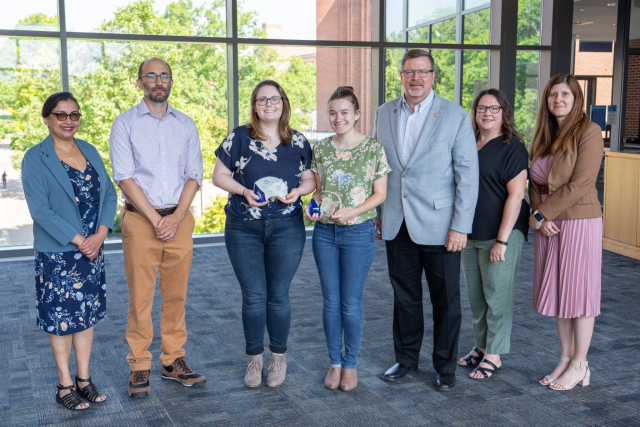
[(490, 290)]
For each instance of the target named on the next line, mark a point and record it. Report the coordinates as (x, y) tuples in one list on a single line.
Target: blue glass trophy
[(259, 193), (313, 207)]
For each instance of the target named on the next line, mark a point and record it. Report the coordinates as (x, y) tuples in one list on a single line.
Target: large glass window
[(529, 20), (204, 18), (29, 72), (30, 15), (421, 11), (475, 75), (526, 102)]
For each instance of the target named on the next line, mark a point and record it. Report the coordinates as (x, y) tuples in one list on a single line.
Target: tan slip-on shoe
[(139, 384), (348, 379), (180, 371), (332, 381), (253, 378), (277, 369)]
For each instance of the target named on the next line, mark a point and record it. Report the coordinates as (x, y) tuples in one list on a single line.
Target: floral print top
[(347, 176), (250, 160)]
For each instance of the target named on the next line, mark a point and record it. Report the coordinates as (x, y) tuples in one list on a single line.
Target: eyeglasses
[(63, 116), (421, 73), (152, 77), (494, 109), (275, 100)]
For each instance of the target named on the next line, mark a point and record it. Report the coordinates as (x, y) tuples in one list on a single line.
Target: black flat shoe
[(445, 382), (72, 400), (398, 371), (483, 371), (89, 392)]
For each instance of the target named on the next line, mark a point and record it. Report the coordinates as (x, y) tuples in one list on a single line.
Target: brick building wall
[(343, 20), (632, 109)]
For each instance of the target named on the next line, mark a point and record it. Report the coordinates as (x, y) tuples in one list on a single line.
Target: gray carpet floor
[(215, 348)]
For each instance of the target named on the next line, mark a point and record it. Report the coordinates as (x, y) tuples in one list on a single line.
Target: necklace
[(72, 150)]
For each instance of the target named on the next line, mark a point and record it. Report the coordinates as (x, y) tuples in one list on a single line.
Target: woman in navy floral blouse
[(73, 205), (264, 232)]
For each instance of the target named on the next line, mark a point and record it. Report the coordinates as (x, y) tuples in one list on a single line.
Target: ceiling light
[(582, 10), (612, 4), (583, 22)]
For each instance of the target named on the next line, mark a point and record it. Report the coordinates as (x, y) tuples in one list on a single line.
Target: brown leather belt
[(162, 212), (544, 189)]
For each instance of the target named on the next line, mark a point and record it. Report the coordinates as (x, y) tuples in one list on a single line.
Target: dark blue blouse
[(250, 160)]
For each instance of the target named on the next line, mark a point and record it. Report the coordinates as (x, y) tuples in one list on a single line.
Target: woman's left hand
[(497, 253), (534, 223), (293, 195), (91, 246), (343, 215)]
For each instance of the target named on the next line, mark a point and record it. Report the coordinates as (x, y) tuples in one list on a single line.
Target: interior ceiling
[(603, 17)]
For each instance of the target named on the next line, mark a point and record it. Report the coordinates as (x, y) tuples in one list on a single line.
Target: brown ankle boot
[(348, 379), (332, 381)]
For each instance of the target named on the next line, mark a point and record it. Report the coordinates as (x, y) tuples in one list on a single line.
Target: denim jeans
[(343, 254), (265, 255)]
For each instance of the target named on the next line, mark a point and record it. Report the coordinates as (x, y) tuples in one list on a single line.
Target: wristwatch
[(538, 216)]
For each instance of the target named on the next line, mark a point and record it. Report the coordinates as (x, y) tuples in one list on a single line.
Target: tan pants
[(144, 254)]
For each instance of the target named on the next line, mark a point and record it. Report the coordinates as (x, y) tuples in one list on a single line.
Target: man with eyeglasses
[(431, 199), (157, 162)]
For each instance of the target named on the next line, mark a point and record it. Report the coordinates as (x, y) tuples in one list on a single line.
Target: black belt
[(162, 212)]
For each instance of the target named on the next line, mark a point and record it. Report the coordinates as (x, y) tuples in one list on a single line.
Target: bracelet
[(244, 191), (501, 242)]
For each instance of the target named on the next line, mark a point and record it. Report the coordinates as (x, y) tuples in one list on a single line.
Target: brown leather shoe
[(139, 384), (180, 371), (332, 381), (348, 379)]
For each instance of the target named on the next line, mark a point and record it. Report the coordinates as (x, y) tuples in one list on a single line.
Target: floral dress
[(250, 160), (70, 289), (347, 176)]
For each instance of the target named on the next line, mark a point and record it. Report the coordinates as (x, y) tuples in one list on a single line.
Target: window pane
[(33, 15), (103, 78), (603, 90), (424, 11), (526, 102), (393, 87), (588, 63), (419, 35), (444, 32), (393, 24), (307, 19), (475, 75), (29, 73), (445, 64), (529, 12), (470, 4), (163, 17), (476, 27)]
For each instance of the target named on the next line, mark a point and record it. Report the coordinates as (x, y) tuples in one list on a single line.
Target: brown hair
[(549, 138), (345, 92), (508, 124), (416, 53), (283, 126)]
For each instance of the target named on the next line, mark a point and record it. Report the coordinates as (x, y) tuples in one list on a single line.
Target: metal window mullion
[(457, 86), (233, 102), (64, 61)]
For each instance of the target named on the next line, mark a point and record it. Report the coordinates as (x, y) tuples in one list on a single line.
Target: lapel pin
[(395, 111), (435, 115)]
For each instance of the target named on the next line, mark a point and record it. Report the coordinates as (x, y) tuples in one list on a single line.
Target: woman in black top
[(500, 226)]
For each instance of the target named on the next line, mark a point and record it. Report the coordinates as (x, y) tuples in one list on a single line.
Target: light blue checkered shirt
[(159, 155), (411, 125)]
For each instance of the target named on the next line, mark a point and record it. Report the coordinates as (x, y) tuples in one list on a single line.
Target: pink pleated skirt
[(567, 272)]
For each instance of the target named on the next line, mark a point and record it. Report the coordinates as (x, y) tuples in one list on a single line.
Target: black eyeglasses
[(274, 100), (421, 73), (152, 77), (494, 109), (63, 116)]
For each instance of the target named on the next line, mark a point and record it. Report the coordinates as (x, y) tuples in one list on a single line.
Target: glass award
[(313, 207), (270, 187)]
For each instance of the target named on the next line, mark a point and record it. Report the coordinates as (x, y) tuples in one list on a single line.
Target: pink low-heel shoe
[(584, 382), (547, 379)]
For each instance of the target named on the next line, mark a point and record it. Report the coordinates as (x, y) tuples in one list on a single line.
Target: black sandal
[(469, 358), (89, 392), (484, 371), (70, 401)]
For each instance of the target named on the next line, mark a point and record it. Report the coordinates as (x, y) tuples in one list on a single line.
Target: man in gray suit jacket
[(431, 200)]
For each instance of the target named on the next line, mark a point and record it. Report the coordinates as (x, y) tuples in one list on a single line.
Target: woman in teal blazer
[(73, 204)]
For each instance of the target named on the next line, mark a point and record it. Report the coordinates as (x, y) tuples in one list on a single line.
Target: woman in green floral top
[(350, 170)]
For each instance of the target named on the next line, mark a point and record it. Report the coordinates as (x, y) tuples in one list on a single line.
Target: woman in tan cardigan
[(566, 154)]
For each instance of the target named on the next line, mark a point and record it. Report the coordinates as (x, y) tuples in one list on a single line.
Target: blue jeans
[(343, 254), (265, 255)]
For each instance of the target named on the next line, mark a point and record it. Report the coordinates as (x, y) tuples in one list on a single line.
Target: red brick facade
[(632, 109), (343, 20)]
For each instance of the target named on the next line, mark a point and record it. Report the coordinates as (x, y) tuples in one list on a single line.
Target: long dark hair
[(53, 100), (549, 138), (283, 126), (508, 124), (345, 92)]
